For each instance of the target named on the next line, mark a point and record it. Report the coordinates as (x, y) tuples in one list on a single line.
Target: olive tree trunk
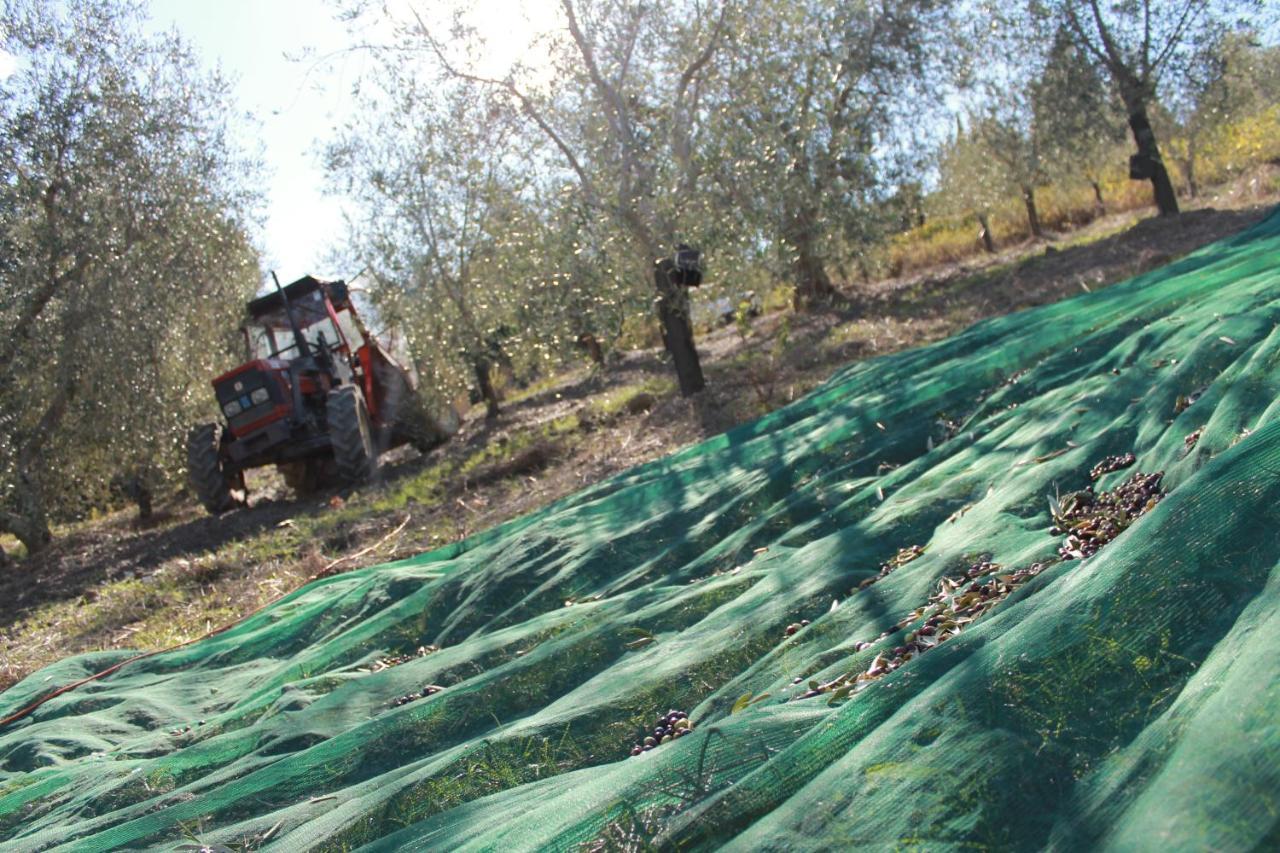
[(988, 242), (813, 286), (1033, 215), (677, 330), (29, 521), (1145, 138), (1189, 169), (27, 516), (484, 382)]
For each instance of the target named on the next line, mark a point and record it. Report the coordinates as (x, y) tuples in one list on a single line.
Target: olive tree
[(1144, 45), (623, 118), (1037, 106), (806, 125), (1235, 75), (122, 215), (1080, 120), (438, 187), (970, 181)]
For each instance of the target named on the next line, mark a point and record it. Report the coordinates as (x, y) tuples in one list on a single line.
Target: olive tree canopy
[(123, 209)]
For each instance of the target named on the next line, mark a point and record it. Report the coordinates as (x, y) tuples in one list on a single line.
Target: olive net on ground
[(893, 612)]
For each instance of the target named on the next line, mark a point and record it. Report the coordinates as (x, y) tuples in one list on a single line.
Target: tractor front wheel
[(350, 434), (213, 485)]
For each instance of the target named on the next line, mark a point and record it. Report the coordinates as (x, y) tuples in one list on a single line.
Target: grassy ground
[(113, 583)]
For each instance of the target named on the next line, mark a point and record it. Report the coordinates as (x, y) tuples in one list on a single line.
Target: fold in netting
[(899, 612)]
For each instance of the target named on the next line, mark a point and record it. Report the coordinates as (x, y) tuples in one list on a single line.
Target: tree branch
[(1074, 22), (1189, 13), (609, 94), (527, 107)]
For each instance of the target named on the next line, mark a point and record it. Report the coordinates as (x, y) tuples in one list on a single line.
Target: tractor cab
[(323, 315), (318, 397)]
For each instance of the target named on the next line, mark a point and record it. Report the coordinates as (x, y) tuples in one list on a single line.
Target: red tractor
[(320, 398)]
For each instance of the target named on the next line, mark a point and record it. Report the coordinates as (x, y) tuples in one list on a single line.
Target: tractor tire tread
[(204, 470), (354, 454)]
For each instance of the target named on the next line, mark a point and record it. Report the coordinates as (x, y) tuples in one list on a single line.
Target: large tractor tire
[(208, 477), (351, 434)]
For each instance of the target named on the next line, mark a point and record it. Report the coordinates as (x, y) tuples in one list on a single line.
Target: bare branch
[(1083, 37), (704, 57), (609, 94), (527, 106), (1190, 13), (1115, 59), (1146, 39)]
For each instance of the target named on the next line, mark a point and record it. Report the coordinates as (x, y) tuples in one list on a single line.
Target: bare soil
[(540, 448)]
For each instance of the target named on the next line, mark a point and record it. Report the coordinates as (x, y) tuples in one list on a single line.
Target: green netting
[(1128, 700)]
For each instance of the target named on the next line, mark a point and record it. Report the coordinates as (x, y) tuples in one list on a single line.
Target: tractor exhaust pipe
[(299, 414), (304, 349)]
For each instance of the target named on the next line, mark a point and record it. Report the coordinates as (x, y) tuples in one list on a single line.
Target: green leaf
[(743, 701)]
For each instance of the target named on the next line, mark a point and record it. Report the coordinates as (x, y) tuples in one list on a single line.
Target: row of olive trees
[(506, 215), (125, 256), (1053, 85), (520, 213)]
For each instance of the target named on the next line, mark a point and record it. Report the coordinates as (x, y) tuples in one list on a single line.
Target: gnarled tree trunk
[(813, 286), (1033, 215), (1145, 138), (28, 517), (28, 521), (484, 382), (988, 242), (677, 330)]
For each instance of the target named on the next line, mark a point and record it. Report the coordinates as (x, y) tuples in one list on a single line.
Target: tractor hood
[(254, 394)]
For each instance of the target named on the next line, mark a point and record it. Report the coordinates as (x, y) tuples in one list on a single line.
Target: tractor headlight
[(233, 408), (259, 395)]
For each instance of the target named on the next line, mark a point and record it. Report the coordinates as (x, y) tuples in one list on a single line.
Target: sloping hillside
[(892, 611)]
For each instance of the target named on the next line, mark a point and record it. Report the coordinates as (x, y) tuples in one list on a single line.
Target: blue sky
[(295, 104)]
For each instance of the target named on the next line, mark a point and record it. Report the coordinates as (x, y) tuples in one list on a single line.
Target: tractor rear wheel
[(350, 434), (207, 475)]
